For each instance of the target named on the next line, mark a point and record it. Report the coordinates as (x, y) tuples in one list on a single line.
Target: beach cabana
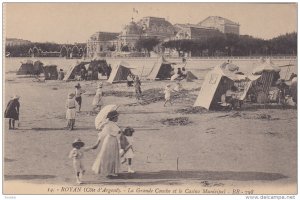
[(268, 72), (120, 72), (160, 70), (98, 66), (216, 83), (50, 72), (26, 68), (75, 69)]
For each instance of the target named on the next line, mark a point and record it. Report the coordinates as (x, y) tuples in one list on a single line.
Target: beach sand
[(208, 150)]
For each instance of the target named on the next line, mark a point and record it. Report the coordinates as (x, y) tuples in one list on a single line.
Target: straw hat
[(112, 114), (78, 85), (100, 84), (71, 95), (78, 142), (16, 97)]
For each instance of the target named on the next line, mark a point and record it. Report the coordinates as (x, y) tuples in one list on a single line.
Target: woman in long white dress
[(108, 159)]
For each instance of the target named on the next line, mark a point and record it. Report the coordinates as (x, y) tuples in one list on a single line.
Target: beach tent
[(190, 76), (98, 66), (215, 84), (268, 72), (26, 68), (160, 70), (120, 72), (50, 72), (75, 69)]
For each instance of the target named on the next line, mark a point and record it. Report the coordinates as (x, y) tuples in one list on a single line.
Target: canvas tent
[(120, 72), (75, 69), (268, 71), (50, 72), (160, 70), (26, 68), (216, 83), (98, 66)]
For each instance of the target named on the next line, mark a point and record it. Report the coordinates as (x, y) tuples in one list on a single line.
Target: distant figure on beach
[(71, 111), (61, 74), (107, 162), (184, 72), (168, 91), (12, 111), (137, 86), (130, 80), (78, 93), (97, 101), (231, 97), (294, 88), (126, 151), (83, 74), (77, 156)]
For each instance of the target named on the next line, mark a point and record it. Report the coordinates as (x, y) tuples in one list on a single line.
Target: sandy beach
[(175, 146)]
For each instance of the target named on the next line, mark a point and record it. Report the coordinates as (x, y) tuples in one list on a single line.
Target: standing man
[(78, 92)]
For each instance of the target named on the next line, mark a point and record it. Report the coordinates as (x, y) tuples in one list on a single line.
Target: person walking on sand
[(107, 161), (78, 93), (97, 101), (12, 111), (71, 111), (77, 156), (168, 91), (126, 151), (137, 86)]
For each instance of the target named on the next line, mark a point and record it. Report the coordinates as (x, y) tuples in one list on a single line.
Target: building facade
[(194, 32), (101, 42), (222, 24)]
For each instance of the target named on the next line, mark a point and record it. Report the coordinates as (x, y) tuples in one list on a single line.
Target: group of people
[(115, 148), (181, 74)]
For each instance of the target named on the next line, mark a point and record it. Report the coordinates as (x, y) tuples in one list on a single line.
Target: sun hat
[(78, 142), (112, 114), (71, 95), (78, 85), (16, 97), (100, 84), (101, 118), (128, 131)]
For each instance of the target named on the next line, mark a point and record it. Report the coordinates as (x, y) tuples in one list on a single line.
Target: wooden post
[(177, 163)]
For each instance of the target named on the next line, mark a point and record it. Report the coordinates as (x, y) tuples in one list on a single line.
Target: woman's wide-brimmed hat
[(71, 95), (78, 142), (102, 115), (100, 84), (78, 85), (16, 97), (112, 114)]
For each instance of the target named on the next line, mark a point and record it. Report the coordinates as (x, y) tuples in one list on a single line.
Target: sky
[(76, 22)]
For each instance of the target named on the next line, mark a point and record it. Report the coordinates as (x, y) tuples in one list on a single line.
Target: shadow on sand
[(27, 177), (172, 177)]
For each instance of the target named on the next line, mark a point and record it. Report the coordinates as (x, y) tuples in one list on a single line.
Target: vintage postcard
[(150, 98)]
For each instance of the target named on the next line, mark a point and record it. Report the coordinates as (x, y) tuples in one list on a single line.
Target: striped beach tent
[(267, 69)]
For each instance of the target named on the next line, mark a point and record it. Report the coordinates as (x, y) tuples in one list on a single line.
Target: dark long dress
[(12, 109)]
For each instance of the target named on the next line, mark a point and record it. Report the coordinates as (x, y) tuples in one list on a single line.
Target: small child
[(77, 155), (97, 101), (137, 85), (167, 92), (126, 152), (71, 111)]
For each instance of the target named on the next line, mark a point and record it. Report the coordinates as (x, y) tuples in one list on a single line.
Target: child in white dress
[(77, 155), (126, 151), (71, 111), (97, 101), (167, 92)]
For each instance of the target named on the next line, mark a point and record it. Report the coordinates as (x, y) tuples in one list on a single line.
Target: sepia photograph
[(150, 99)]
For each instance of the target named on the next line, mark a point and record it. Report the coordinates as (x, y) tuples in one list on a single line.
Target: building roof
[(192, 26), (156, 24), (132, 29), (221, 20), (104, 36)]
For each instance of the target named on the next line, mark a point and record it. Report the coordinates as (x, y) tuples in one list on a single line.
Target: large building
[(16, 42), (194, 32), (222, 24), (101, 42)]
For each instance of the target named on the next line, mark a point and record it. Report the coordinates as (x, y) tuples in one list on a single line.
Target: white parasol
[(102, 115)]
